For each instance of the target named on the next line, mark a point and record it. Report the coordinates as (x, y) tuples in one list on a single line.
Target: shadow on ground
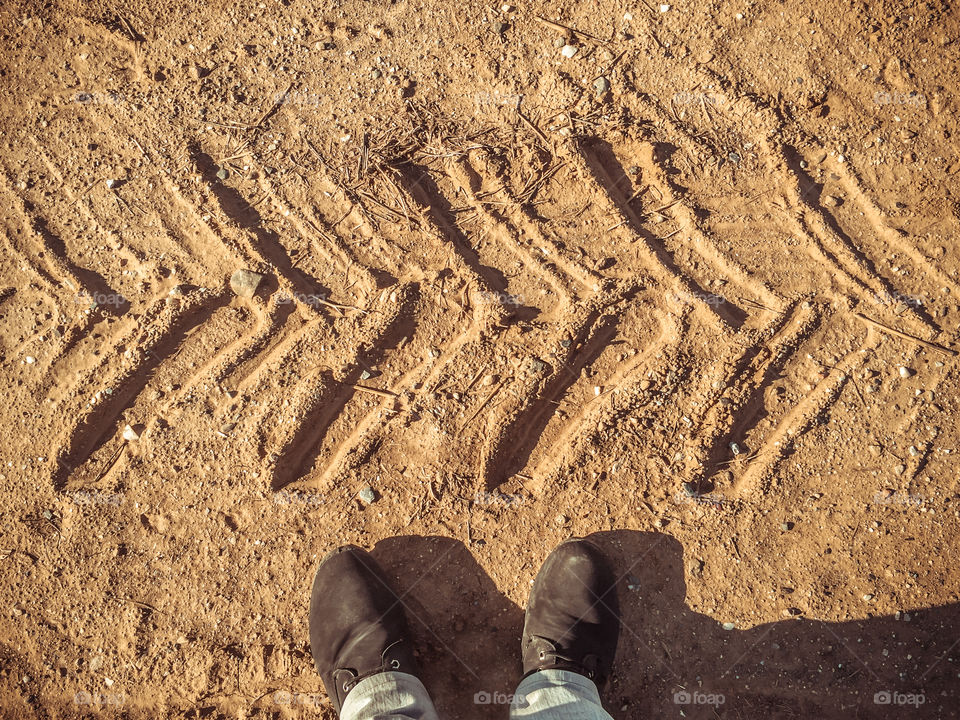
[(673, 662)]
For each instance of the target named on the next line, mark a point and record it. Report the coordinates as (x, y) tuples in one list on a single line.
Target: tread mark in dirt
[(676, 205), (469, 183), (825, 237), (325, 242), (298, 456), (747, 384), (265, 244), (562, 449), (93, 430), (600, 169), (778, 445), (509, 448), (372, 426), (421, 186), (891, 237), (520, 216)]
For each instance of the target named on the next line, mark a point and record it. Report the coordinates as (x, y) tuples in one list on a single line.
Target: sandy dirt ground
[(681, 278)]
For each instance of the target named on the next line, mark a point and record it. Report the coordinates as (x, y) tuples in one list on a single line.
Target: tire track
[(558, 449), (372, 427), (819, 229), (706, 248), (330, 392), (326, 243), (518, 428), (175, 320), (509, 237), (779, 443), (596, 172), (893, 238), (729, 416)]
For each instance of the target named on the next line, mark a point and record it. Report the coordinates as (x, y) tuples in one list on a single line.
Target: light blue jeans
[(545, 695)]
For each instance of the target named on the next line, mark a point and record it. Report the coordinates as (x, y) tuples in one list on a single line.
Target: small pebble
[(111, 183), (787, 526), (868, 597), (245, 282), (365, 375), (906, 372), (568, 51), (223, 174), (664, 8), (601, 86), (734, 448), (368, 495), (728, 625), (130, 434), (29, 360)]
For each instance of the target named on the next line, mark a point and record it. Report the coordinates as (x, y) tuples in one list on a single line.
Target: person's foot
[(357, 624), (573, 618)]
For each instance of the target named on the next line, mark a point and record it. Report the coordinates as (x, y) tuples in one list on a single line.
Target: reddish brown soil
[(517, 305)]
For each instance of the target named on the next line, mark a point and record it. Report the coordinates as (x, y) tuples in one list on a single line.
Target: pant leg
[(389, 696), (557, 695)]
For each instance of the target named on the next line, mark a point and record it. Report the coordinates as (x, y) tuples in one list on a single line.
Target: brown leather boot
[(573, 617), (357, 624)]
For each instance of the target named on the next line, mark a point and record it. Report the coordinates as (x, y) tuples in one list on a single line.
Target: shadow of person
[(467, 633), (673, 659)]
